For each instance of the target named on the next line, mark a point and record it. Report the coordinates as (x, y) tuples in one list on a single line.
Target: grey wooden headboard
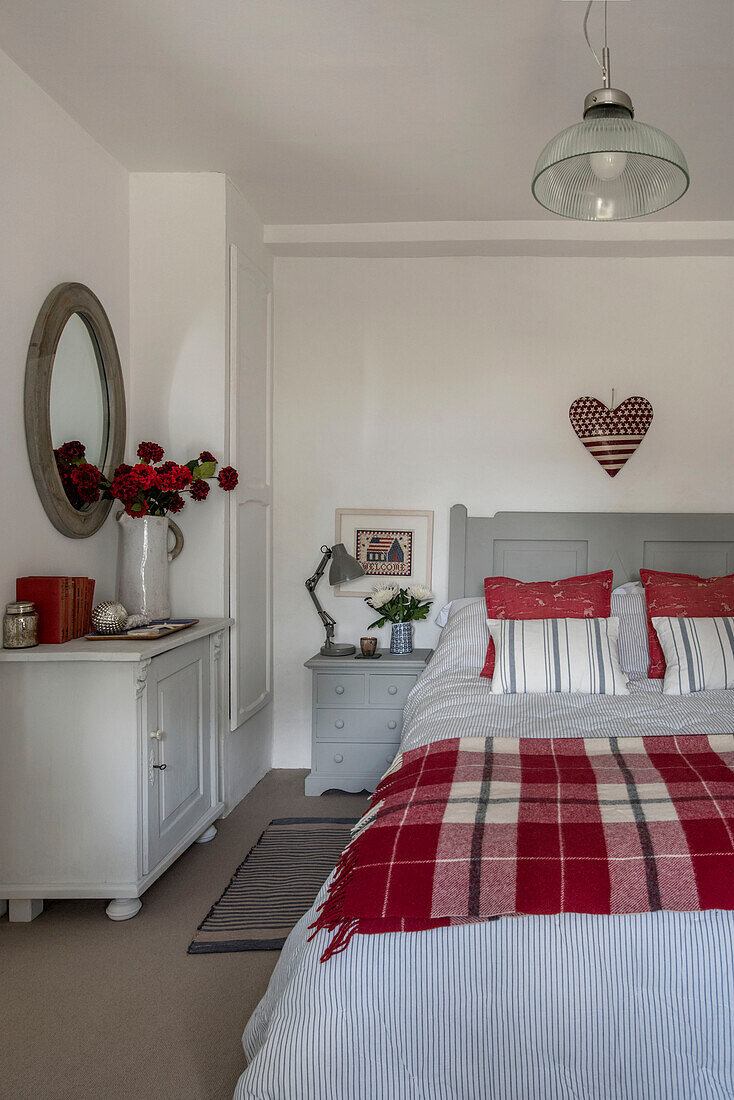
[(551, 545)]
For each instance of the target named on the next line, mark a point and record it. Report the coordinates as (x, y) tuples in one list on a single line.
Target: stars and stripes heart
[(611, 435)]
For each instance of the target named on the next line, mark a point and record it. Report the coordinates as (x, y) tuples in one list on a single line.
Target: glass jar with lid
[(20, 625)]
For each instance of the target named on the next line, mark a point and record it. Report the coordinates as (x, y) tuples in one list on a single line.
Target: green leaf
[(206, 469)]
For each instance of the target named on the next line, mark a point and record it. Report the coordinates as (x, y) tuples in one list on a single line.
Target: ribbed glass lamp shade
[(643, 171)]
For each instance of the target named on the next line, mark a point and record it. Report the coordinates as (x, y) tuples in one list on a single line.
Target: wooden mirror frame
[(63, 301)]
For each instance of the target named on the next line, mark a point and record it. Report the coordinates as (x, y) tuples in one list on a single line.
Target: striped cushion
[(699, 653), (634, 650), (557, 655)]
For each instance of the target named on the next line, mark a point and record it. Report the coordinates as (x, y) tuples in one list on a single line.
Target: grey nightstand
[(358, 717)]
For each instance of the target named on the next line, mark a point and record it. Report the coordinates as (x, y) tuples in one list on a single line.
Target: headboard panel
[(551, 545)]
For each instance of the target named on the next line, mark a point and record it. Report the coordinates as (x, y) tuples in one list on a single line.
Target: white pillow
[(699, 654), (634, 648), (449, 610), (557, 655)]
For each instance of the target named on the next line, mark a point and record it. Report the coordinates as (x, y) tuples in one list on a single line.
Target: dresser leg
[(24, 909), (207, 835), (123, 908)]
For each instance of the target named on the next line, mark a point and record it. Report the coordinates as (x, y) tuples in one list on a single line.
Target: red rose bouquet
[(150, 488)]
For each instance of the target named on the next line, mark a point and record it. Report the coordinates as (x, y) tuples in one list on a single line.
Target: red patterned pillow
[(682, 596), (586, 597)]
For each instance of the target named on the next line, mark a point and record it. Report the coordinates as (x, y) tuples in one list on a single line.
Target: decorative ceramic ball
[(109, 617)]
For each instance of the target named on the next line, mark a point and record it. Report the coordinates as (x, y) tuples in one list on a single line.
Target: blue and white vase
[(401, 640)]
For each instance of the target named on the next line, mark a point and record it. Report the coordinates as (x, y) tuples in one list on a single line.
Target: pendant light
[(609, 167)]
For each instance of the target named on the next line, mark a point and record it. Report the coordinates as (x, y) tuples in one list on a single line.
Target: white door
[(178, 740), (251, 503)]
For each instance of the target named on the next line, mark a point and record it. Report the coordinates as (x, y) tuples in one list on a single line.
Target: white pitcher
[(142, 563)]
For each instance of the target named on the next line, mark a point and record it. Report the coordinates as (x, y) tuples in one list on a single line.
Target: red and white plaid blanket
[(472, 829)]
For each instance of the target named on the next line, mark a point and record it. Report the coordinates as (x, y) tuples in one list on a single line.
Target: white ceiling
[(377, 110)]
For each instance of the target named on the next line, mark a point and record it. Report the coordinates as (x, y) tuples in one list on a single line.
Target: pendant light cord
[(604, 68)]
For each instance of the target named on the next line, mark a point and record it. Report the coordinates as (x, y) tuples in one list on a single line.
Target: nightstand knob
[(392, 690), (338, 758), (392, 725), (389, 759), (339, 723), (339, 689), (156, 735)]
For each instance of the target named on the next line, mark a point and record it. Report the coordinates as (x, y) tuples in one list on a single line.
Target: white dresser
[(108, 765)]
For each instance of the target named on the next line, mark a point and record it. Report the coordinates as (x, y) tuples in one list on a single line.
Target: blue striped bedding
[(572, 1007)]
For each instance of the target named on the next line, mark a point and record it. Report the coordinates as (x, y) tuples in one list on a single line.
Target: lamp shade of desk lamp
[(343, 568)]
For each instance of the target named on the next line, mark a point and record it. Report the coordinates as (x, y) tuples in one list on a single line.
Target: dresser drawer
[(340, 758), (335, 724), (333, 689), (390, 691)]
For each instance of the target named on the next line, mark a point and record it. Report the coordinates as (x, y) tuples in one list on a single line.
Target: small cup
[(368, 646)]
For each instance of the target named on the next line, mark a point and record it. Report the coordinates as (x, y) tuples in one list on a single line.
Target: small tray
[(361, 657), (158, 628)]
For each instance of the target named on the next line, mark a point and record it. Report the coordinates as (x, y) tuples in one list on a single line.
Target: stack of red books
[(64, 605)]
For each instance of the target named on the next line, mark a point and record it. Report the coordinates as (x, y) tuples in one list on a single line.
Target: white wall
[(181, 226), (422, 382), (63, 217), (178, 353), (247, 751)]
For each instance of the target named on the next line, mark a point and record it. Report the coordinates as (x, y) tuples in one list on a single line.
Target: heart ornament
[(611, 435)]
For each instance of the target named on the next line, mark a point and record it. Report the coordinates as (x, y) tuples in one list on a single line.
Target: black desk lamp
[(343, 568)]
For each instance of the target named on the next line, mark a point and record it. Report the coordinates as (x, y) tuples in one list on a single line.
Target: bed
[(562, 1006)]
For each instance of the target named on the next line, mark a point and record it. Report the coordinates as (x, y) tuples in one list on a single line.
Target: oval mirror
[(74, 405)]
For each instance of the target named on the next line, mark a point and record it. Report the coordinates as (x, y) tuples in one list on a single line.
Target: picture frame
[(391, 545)]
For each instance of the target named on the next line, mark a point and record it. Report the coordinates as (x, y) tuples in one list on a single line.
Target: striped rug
[(274, 885)]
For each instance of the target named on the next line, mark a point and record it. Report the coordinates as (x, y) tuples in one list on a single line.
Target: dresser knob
[(392, 690), (156, 735), (392, 725), (160, 767), (389, 759), (338, 758), (339, 723), (339, 689)]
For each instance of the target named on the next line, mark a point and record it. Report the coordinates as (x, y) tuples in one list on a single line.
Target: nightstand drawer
[(333, 724), (333, 689), (390, 691), (341, 758)]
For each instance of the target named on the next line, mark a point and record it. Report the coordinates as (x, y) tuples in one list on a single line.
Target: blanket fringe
[(331, 911), (340, 940)]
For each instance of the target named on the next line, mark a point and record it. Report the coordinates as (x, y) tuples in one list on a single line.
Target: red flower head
[(123, 488), (227, 478), (140, 508), (177, 503), (150, 452), (135, 480), (73, 449), (200, 490), (122, 469), (144, 477), (206, 456), (170, 477), (85, 479)]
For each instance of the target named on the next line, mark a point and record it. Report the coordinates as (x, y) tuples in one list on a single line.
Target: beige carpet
[(94, 1010)]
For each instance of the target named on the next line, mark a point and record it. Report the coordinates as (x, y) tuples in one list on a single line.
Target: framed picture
[(388, 544)]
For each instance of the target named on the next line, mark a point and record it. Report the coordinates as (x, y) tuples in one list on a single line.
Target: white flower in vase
[(382, 594), (419, 592)]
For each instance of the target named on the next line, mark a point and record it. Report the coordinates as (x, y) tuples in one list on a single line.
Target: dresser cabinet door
[(177, 735)]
